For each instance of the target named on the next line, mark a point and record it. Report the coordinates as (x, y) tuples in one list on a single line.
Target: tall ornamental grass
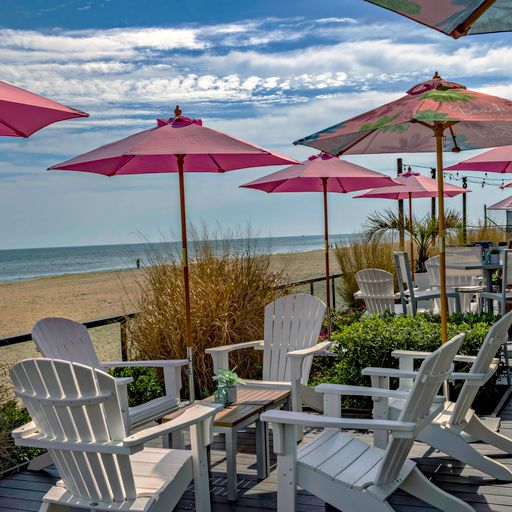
[(230, 286)]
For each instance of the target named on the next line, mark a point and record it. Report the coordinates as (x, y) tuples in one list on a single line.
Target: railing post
[(124, 339), (311, 288), (333, 293)]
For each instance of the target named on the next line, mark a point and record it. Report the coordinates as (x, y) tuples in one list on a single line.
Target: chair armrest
[(389, 372), (190, 416), (24, 430), (164, 363), (312, 420), (343, 390), (409, 354), (124, 381), (236, 346), (358, 294), (479, 377), (304, 352)]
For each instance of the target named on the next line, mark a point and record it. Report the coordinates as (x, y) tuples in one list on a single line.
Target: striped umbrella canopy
[(455, 18)]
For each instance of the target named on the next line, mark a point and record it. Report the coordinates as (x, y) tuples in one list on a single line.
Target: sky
[(269, 72)]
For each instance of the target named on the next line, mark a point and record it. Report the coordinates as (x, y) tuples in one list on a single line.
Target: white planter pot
[(495, 259)]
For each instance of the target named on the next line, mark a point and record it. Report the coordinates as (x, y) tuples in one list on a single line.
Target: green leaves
[(227, 378), (448, 95), (430, 115), (380, 123), (403, 6)]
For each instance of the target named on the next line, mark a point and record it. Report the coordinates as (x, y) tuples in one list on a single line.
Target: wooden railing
[(122, 319)]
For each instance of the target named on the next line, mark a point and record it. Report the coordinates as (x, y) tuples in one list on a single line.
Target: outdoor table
[(488, 270), (251, 402)]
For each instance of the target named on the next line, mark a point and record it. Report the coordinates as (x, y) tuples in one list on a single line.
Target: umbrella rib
[(221, 170), (130, 158), (350, 146), (15, 130)]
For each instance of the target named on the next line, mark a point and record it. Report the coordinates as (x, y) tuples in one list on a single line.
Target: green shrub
[(147, 384), (370, 341)]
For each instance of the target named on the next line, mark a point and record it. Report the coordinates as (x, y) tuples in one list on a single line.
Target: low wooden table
[(251, 402)]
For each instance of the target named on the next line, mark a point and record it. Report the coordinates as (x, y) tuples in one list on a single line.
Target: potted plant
[(227, 380), (495, 256)]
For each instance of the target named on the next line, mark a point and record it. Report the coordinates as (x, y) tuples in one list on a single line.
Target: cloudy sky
[(267, 71)]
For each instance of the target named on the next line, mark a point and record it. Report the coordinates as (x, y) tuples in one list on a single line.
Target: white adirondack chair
[(376, 288), (409, 295), (60, 338), (503, 297), (76, 415), (349, 473), (444, 433), (291, 331)]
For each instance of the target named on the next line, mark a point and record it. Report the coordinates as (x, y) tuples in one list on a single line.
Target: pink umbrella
[(412, 185), (504, 204), (455, 17), (435, 115), (22, 113), (321, 173), (494, 160), (178, 144)]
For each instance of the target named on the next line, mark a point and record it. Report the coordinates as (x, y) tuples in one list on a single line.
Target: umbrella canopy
[(494, 160), (435, 115), (22, 113), (455, 18), (175, 145), (322, 173), (412, 186), (505, 204)]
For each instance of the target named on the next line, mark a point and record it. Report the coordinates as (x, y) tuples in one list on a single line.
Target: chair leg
[(479, 430), (421, 487), (454, 445)]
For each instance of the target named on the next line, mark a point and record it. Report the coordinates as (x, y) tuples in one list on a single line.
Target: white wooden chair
[(376, 288), (60, 338), (445, 431), (291, 331), (76, 416), (458, 281), (409, 295), (503, 297), (349, 473)]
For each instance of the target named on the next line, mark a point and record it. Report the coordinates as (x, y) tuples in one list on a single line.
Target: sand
[(84, 297)]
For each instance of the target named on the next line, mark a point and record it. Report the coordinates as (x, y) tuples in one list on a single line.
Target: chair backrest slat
[(434, 369), (377, 288), (61, 338), (105, 477), (292, 322), (496, 337), (403, 272)]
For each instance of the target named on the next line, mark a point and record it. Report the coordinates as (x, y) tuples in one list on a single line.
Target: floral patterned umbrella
[(434, 116), (455, 18)]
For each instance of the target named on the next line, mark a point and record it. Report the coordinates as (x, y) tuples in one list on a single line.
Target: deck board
[(23, 491)]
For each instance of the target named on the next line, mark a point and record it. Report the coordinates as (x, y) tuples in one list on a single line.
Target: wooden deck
[(23, 491)]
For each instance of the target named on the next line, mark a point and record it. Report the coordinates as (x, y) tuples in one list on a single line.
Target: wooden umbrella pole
[(326, 250), (184, 261), (438, 132), (410, 236)]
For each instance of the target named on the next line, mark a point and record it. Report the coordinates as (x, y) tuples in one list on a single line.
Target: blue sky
[(267, 71)]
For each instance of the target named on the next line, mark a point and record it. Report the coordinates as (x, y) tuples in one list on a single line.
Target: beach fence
[(110, 334)]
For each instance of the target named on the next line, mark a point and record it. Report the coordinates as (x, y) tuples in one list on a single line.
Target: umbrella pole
[(411, 241), (326, 250), (438, 132), (184, 261)]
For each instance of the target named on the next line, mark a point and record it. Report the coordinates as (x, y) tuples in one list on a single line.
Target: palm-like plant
[(424, 231)]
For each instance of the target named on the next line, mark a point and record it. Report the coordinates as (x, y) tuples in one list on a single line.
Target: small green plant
[(227, 378), (494, 250)]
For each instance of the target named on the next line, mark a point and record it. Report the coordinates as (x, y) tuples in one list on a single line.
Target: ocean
[(16, 264)]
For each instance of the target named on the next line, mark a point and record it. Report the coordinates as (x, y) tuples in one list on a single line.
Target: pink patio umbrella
[(455, 18), (322, 173), (435, 115), (412, 186), (504, 204), (22, 113), (179, 145), (494, 160)]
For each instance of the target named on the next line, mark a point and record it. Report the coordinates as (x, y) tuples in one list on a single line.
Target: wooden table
[(251, 402)]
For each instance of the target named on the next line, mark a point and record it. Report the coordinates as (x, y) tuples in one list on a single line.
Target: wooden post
[(485, 216), (124, 339), (433, 206), (438, 132), (399, 171), (464, 213), (326, 250), (333, 291), (184, 261), (411, 239)]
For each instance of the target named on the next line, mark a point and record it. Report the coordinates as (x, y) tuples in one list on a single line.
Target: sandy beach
[(84, 297)]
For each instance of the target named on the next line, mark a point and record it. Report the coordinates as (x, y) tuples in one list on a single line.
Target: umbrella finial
[(436, 76), (178, 111)]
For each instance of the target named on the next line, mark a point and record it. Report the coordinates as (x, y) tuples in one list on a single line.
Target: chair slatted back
[(403, 273), (292, 322), (61, 338), (73, 404), (497, 336), (417, 409), (377, 288)]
